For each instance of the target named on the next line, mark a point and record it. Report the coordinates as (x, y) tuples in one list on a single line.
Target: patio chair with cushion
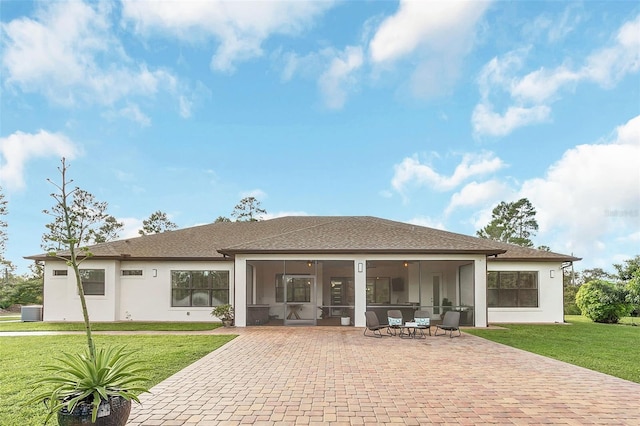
[(394, 320), (423, 321), (373, 324), (450, 322)]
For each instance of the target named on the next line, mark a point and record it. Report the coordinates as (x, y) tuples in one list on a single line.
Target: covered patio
[(330, 291)]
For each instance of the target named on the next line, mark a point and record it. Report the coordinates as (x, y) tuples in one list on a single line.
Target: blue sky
[(423, 112)]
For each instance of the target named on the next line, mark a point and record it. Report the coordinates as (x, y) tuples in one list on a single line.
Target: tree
[(248, 210), (570, 290), (633, 292), (512, 223), (108, 231), (20, 290), (88, 220), (593, 274), (602, 301), (3, 232), (627, 269), (222, 219), (158, 222), (75, 214)]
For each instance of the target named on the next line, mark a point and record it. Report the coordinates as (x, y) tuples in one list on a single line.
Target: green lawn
[(22, 358), (609, 348), (12, 317), (108, 326)]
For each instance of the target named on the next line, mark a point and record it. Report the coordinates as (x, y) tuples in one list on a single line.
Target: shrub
[(602, 301)]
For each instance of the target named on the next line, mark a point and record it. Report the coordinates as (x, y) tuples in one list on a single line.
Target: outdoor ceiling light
[(309, 263), (406, 263)]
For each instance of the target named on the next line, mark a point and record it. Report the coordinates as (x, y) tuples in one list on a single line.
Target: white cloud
[(427, 221), (69, 54), (284, 214), (336, 81), (17, 149), (488, 122), (532, 93), (438, 33), (411, 172), (131, 112), (258, 194), (131, 227), (477, 194), (591, 193), (239, 27)]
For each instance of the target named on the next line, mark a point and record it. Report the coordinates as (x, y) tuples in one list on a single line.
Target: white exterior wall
[(134, 298), (550, 294), (61, 299)]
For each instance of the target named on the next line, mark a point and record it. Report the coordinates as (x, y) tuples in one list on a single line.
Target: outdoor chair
[(394, 320), (423, 321), (450, 322), (373, 324)]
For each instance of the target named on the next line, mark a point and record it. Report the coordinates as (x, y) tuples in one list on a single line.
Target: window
[(298, 289), (378, 290), (132, 272), (507, 289), (199, 288), (59, 272), (92, 282)]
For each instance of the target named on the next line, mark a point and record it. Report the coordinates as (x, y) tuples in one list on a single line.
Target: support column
[(480, 291), (360, 284), (240, 292)]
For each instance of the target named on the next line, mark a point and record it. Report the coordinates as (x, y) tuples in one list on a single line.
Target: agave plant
[(79, 378)]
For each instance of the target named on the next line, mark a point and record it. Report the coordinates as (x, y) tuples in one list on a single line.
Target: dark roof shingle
[(307, 234)]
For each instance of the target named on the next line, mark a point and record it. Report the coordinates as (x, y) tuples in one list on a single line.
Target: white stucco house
[(311, 270)]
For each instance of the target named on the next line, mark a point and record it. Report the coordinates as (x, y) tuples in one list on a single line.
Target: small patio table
[(409, 330)]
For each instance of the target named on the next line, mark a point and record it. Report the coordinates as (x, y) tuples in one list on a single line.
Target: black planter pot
[(114, 412)]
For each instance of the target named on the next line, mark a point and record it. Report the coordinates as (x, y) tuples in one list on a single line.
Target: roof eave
[(537, 259), (233, 252)]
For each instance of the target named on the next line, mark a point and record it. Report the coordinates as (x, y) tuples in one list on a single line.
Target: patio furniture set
[(396, 326)]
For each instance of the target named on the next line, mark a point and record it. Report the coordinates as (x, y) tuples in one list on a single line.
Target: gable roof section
[(305, 234)]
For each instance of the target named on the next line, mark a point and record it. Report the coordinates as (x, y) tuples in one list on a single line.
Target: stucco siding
[(550, 294)]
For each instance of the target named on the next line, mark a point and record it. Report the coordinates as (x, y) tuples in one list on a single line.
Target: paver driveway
[(335, 375)]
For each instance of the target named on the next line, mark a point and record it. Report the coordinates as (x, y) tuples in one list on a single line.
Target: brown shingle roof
[(305, 234)]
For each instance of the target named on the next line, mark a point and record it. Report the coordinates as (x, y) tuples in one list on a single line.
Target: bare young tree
[(3, 225), (77, 219)]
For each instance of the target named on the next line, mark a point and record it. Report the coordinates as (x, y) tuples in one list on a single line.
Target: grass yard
[(22, 358), (609, 348), (108, 326), (13, 317)]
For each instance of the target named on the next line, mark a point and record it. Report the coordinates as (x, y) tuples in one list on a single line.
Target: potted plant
[(92, 390), (224, 313), (96, 386), (345, 319)]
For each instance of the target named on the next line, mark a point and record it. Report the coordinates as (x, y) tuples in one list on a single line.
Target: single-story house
[(311, 270)]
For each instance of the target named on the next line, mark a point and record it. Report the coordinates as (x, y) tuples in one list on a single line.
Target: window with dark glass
[(199, 288), (59, 272), (131, 272), (512, 289), (92, 282), (378, 290), (298, 289)]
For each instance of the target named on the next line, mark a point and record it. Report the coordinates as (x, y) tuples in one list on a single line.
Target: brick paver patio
[(335, 375)]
